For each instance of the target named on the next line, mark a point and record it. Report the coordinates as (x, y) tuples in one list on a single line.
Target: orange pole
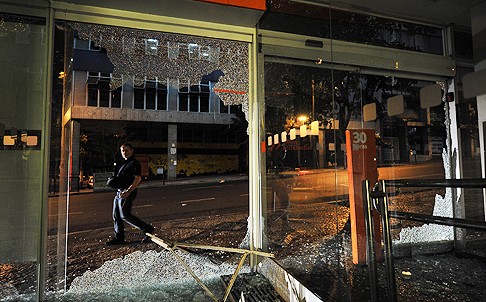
[(361, 160)]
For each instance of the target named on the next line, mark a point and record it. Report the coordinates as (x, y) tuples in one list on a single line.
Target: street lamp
[(302, 119)]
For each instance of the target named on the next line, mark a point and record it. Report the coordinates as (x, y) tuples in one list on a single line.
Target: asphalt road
[(329, 185), (93, 210)]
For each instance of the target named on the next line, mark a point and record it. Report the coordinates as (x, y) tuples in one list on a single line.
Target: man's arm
[(132, 187)]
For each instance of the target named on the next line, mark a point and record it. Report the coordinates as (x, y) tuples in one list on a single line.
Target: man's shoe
[(148, 239), (115, 241)]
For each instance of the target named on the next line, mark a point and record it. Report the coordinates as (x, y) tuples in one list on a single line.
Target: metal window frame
[(179, 95), (116, 17), (166, 95), (354, 56)]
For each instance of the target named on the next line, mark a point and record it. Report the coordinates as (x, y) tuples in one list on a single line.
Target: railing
[(378, 198)]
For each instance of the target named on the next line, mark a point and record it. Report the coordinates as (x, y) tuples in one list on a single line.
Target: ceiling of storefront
[(441, 12), (186, 9), (437, 12)]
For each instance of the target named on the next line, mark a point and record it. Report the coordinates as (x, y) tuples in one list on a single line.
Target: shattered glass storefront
[(342, 106), (178, 91), (160, 79), (141, 58), (254, 143)]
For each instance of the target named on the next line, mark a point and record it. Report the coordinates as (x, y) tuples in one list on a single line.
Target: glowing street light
[(302, 119), (303, 130), (293, 134)]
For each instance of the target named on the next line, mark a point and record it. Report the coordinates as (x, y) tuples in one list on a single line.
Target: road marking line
[(144, 206), (200, 188), (243, 195), (197, 200)]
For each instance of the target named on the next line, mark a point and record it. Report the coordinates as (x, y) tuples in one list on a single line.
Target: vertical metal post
[(387, 242), (255, 223), (370, 255), (313, 118), (42, 248)]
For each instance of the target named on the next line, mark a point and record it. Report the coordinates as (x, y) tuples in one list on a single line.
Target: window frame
[(157, 86), (93, 78)]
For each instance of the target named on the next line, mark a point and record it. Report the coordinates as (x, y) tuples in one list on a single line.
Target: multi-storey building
[(178, 126)]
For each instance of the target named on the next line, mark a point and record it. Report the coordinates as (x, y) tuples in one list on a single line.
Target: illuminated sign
[(14, 139)]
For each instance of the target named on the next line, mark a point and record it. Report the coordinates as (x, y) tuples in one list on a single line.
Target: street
[(89, 211), (93, 210)]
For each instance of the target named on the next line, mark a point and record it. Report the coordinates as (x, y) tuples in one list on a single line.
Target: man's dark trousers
[(122, 209)]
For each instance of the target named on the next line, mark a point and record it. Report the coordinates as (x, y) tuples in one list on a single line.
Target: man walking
[(127, 180)]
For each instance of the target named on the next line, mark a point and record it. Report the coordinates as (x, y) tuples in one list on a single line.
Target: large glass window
[(22, 154), (307, 111), (329, 126), (307, 19), (154, 71), (309, 192)]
